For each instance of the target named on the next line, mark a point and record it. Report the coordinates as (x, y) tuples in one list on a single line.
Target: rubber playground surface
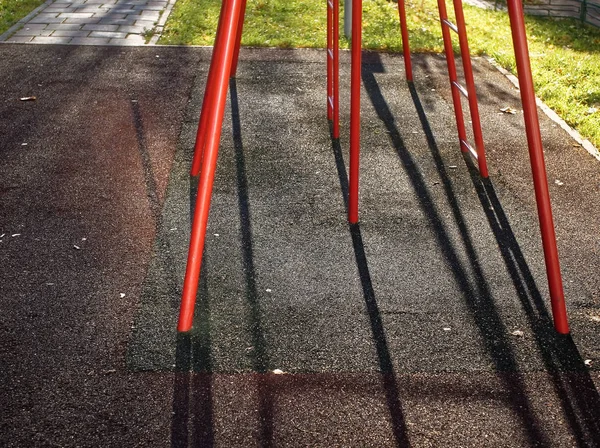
[(427, 324)]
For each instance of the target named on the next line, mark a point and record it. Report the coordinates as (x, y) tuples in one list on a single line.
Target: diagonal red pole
[(238, 43), (222, 60), (207, 101), (538, 166)]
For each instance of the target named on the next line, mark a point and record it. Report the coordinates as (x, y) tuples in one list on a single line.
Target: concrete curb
[(161, 23)]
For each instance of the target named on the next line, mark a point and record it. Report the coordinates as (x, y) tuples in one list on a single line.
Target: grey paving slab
[(130, 21), (20, 39), (126, 42), (82, 21), (63, 26), (100, 27), (140, 16), (90, 40), (46, 20), (76, 15), (71, 33), (108, 34), (34, 32), (50, 40), (131, 29)]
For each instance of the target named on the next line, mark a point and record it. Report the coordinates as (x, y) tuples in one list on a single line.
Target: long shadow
[(477, 297), (576, 391), (149, 178), (193, 351), (260, 357), (390, 384), (572, 382), (193, 379)]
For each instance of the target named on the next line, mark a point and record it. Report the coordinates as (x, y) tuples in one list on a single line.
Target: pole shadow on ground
[(386, 368), (193, 393), (572, 383), (562, 360), (477, 297)]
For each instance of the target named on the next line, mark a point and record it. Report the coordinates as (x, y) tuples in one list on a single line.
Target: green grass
[(11, 11), (565, 55)]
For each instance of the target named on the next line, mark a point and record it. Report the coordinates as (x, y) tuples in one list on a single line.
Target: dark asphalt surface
[(393, 332)]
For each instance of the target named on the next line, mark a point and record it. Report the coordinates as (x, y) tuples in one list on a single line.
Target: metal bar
[(347, 18), (538, 167), (329, 60), (450, 25), (470, 81), (405, 43), (207, 103), (460, 88), (336, 69), (355, 85), (458, 112), (238, 44), (223, 62), (469, 148)]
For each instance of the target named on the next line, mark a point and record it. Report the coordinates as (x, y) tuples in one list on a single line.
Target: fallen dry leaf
[(508, 110)]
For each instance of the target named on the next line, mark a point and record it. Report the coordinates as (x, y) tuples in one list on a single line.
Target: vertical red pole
[(223, 62), (538, 167), (355, 86), (238, 44), (207, 102), (458, 112), (405, 44), (329, 60), (472, 97), (336, 68)]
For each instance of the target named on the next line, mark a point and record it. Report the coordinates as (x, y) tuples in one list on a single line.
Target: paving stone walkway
[(93, 22)]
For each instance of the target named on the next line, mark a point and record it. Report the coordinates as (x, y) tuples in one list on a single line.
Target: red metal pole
[(223, 62), (238, 44), (336, 68), (207, 101), (458, 112), (538, 167), (472, 97), (405, 44), (355, 87), (329, 59)]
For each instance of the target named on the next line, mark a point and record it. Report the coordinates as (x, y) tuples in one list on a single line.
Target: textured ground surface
[(391, 332)]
